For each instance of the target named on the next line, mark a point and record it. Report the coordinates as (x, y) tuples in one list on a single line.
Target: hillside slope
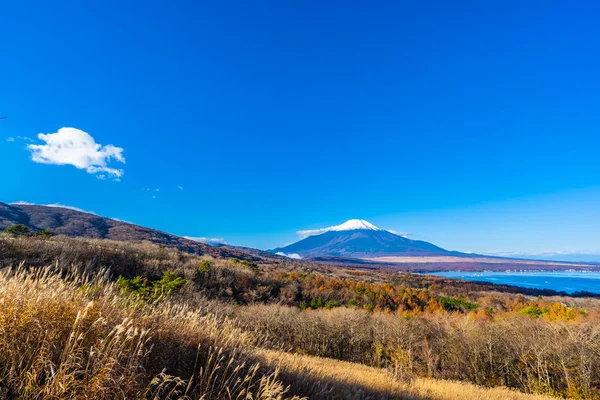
[(352, 380), (70, 222)]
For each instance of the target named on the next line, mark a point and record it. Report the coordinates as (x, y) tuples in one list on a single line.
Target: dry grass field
[(344, 380), (181, 326), (67, 337)]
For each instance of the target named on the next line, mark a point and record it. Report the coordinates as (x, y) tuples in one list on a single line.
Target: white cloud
[(71, 146), (312, 232), (180, 187), (292, 255), (403, 234), (10, 139), (123, 221), (56, 205), (209, 241), (543, 253)]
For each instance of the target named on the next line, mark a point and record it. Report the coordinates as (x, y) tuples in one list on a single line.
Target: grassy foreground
[(63, 336), (344, 380)]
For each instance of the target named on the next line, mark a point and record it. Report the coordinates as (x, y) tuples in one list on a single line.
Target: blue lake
[(560, 281)]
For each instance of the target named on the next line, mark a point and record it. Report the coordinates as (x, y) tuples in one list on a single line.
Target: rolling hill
[(71, 222)]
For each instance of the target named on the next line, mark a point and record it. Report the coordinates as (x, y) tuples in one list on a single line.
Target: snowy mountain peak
[(354, 224), (357, 238), (350, 225)]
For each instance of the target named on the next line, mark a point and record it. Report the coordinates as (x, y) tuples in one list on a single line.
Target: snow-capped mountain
[(358, 238), (350, 225), (353, 225)]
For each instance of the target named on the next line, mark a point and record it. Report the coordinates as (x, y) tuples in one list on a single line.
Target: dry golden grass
[(70, 338), (332, 379)]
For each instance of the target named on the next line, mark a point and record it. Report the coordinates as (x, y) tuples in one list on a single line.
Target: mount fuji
[(357, 238)]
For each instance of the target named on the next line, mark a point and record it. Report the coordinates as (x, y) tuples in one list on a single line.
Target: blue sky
[(470, 124)]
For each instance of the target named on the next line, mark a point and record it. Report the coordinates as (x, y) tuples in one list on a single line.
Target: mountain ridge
[(406, 254), (77, 223)]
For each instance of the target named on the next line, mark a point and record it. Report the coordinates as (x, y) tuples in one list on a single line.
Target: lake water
[(560, 281)]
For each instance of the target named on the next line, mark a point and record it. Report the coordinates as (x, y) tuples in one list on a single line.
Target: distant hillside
[(69, 222)]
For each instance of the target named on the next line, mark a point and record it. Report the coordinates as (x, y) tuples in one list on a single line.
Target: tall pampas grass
[(71, 336)]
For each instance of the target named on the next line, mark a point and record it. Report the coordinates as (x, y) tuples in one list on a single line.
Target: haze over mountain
[(581, 257), (357, 238)]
